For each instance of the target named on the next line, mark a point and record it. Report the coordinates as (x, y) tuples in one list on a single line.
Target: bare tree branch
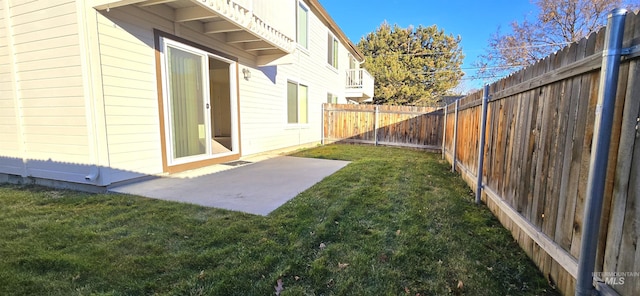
[(558, 23)]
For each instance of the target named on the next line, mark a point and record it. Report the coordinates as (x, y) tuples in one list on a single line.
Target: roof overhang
[(331, 24), (232, 20)]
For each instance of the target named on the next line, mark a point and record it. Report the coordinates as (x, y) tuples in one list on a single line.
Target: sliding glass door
[(199, 90), (187, 114)]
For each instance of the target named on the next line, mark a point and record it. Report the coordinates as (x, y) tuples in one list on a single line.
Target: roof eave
[(331, 24)]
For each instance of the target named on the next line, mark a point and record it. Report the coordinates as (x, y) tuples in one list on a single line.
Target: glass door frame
[(164, 43)]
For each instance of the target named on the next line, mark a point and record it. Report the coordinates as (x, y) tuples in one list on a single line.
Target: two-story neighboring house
[(94, 92)]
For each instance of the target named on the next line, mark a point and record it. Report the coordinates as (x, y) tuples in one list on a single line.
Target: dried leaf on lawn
[(279, 288)]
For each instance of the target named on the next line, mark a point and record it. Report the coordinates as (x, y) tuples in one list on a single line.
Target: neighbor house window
[(297, 100), (352, 62), (332, 99), (303, 26), (332, 54)]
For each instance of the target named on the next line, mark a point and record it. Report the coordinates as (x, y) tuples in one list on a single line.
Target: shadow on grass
[(393, 222)]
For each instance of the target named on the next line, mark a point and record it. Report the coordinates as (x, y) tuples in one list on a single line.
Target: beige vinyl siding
[(10, 155), (278, 13), (50, 89), (129, 83), (130, 94), (263, 103), (263, 107), (130, 87), (59, 82)]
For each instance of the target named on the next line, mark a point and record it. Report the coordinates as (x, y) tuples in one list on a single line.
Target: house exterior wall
[(278, 13), (263, 123), (130, 93), (263, 103), (10, 150), (79, 88), (42, 102), (130, 85)]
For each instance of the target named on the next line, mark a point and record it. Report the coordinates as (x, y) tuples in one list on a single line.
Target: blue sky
[(474, 20)]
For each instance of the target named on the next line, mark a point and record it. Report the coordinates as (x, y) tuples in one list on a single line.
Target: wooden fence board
[(525, 154), (554, 200), (612, 161), (516, 146), (539, 133), (567, 207), (418, 127), (512, 145), (631, 228), (503, 133), (543, 156), (493, 143), (506, 152), (584, 167), (550, 203), (623, 183), (563, 160), (536, 140), (587, 81)]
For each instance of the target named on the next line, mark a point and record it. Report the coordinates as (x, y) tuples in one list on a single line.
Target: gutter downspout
[(483, 128), (600, 156)]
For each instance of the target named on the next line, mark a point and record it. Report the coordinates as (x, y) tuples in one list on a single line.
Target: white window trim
[(336, 54), (334, 94), (286, 106), (353, 60), (298, 45)]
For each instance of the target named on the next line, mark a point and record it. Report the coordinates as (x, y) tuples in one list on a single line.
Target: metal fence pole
[(444, 131), (483, 128), (600, 153), (455, 136)]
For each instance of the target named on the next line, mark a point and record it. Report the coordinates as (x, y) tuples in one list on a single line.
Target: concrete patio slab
[(256, 188)]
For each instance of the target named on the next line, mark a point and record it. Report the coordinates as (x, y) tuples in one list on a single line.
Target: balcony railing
[(359, 84), (252, 25)]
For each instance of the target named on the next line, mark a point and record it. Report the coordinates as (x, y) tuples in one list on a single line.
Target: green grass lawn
[(393, 222)]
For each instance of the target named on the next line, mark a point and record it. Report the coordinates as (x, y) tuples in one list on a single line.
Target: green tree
[(411, 66)]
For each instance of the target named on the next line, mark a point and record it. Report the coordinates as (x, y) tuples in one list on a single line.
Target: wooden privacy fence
[(539, 132), (417, 127)]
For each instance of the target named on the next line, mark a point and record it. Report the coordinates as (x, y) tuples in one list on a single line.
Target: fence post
[(483, 128), (444, 131), (322, 127), (600, 153), (455, 136), (375, 125)]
